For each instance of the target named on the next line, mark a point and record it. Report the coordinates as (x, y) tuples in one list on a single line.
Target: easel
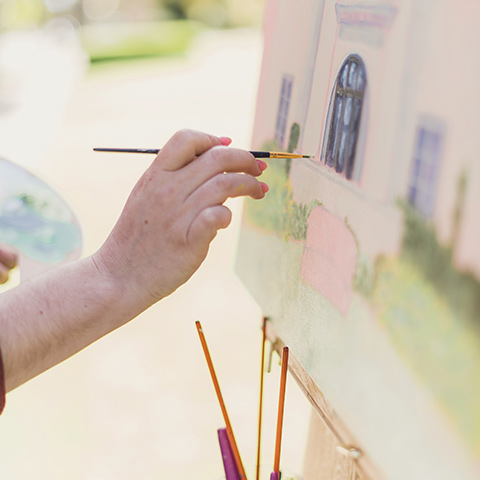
[(233, 465), (332, 452)]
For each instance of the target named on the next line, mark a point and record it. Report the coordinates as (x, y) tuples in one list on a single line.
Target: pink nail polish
[(225, 141), (265, 187), (262, 165)]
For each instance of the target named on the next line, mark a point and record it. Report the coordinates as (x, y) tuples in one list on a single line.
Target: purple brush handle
[(274, 475), (231, 471)]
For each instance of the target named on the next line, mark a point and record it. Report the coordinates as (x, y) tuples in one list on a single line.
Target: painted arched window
[(344, 119)]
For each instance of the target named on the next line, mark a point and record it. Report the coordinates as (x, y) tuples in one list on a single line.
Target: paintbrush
[(281, 404), (255, 153), (228, 425), (262, 368)]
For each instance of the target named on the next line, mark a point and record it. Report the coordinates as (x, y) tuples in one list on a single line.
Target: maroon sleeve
[(2, 385)]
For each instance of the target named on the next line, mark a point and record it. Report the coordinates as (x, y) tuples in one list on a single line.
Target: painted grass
[(435, 340)]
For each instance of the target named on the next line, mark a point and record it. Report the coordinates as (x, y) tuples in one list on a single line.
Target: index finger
[(184, 147), (215, 161)]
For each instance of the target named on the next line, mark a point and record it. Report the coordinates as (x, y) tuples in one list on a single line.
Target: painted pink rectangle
[(330, 258)]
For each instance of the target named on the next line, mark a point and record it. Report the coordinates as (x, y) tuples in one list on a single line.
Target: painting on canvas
[(366, 257)]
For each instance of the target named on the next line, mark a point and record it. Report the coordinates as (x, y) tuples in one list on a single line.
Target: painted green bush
[(430, 311), (461, 290), (278, 212)]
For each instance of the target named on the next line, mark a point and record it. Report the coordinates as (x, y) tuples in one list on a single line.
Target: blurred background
[(16, 14), (128, 73)]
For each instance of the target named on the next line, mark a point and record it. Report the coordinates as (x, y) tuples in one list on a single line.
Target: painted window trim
[(283, 108), (422, 191)]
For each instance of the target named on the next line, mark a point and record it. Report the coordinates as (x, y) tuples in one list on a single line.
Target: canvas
[(367, 257)]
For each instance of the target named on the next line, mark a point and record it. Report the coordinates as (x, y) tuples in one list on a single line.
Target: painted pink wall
[(293, 29)]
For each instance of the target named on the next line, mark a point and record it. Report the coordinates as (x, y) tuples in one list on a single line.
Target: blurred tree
[(216, 13), (177, 8)]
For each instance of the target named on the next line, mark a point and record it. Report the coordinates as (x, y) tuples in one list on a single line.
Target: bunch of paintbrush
[(232, 462)]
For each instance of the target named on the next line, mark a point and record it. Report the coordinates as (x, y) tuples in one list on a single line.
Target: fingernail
[(265, 187), (225, 141), (262, 165)]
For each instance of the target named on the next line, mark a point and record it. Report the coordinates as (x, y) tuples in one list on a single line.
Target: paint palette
[(36, 221)]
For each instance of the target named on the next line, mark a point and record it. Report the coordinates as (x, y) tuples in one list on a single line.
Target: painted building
[(415, 136)]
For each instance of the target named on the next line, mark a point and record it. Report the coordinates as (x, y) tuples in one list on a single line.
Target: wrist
[(119, 283)]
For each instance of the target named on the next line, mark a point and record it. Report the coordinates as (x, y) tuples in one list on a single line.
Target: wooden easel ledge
[(347, 445)]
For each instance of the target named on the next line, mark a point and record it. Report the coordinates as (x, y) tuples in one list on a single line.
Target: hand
[(8, 261), (174, 212)]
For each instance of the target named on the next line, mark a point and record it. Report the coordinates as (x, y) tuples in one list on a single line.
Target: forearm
[(52, 317), (159, 241)]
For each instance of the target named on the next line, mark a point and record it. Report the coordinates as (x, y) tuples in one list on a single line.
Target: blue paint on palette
[(33, 217)]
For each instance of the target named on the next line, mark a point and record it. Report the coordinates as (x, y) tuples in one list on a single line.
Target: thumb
[(206, 224)]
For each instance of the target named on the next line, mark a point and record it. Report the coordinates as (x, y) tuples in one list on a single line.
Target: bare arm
[(160, 239), (51, 317)]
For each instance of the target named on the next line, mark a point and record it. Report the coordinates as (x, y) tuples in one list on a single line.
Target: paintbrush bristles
[(287, 155)]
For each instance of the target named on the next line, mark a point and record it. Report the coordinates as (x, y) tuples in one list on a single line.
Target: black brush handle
[(255, 153), (258, 154)]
